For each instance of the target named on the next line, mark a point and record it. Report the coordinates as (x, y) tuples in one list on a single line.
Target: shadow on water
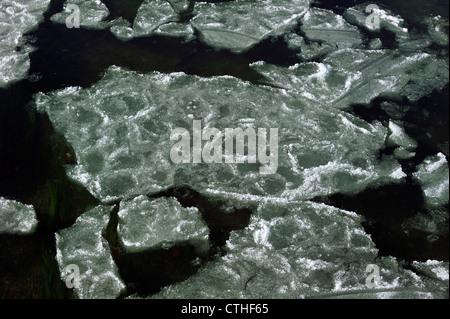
[(386, 210), (78, 57), (426, 120), (32, 159)]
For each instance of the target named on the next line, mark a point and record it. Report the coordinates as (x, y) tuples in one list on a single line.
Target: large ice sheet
[(306, 250), (120, 129), (16, 218), (160, 223), (92, 13), (354, 76), (17, 17), (239, 25), (83, 245)]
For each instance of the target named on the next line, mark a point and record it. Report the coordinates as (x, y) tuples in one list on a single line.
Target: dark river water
[(32, 155)]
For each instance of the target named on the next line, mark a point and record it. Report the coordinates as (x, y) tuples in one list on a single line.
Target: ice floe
[(91, 13), (16, 218), (306, 250), (433, 175), (16, 19), (160, 223), (83, 245), (120, 129)]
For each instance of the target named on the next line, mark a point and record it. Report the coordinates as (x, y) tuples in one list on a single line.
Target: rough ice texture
[(160, 223), (120, 129), (92, 13), (236, 25), (16, 218), (357, 15), (155, 17), (433, 268), (239, 25), (16, 19), (305, 250), (325, 26), (83, 245), (433, 175), (150, 16), (325, 32), (350, 76)]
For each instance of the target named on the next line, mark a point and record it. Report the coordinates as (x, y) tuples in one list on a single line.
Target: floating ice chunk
[(160, 223), (151, 16), (239, 25), (302, 250), (388, 73), (16, 218), (120, 129), (92, 13), (294, 41), (357, 16), (348, 76), (16, 19), (179, 5), (375, 44), (325, 26), (398, 137), (83, 245), (433, 268), (433, 175)]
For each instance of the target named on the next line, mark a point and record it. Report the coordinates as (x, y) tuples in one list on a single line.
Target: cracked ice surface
[(16, 218), (325, 26), (160, 223), (236, 26), (16, 19), (83, 245), (239, 25), (353, 76), (120, 129), (325, 32), (92, 13), (150, 17), (306, 250)]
